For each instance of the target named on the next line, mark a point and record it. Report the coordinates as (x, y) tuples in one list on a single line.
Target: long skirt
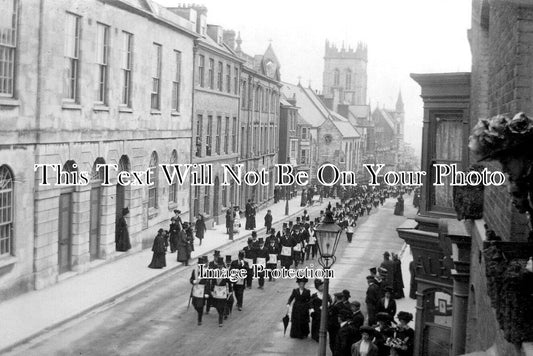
[(158, 260), (315, 325), (300, 321), (183, 254)]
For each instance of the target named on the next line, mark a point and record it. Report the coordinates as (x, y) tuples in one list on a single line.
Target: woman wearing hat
[(159, 249), (122, 236), (402, 342), (300, 309), (316, 305), (183, 245), (383, 331), (173, 232), (365, 346), (200, 228)]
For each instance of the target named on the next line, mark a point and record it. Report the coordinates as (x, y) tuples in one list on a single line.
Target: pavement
[(32, 314)]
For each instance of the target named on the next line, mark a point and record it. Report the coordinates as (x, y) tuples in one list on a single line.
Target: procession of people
[(350, 332)]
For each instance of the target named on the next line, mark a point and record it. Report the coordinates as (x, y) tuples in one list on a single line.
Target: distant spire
[(399, 103), (309, 84), (299, 80)]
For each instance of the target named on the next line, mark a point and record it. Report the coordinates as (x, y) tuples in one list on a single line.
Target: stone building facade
[(216, 113), (94, 82), (387, 134), (259, 121)]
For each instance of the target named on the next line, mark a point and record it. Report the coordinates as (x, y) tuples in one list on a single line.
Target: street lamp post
[(327, 234)]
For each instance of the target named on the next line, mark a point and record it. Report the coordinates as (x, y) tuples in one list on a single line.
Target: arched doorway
[(64, 252), (123, 166), (95, 209), (216, 208)]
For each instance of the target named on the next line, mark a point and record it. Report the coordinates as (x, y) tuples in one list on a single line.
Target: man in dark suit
[(387, 304), (372, 299), (333, 324), (346, 336), (239, 286), (358, 319), (389, 266)]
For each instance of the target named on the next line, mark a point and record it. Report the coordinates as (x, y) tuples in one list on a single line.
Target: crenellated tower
[(345, 73)]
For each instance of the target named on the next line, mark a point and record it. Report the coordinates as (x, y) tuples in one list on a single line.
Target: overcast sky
[(403, 37)]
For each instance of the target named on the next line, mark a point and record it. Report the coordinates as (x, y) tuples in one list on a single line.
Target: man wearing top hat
[(273, 250), (249, 257), (372, 299), (200, 288), (333, 323), (212, 265), (239, 285), (358, 319), (261, 258), (231, 300), (221, 289), (387, 264), (268, 221), (286, 244), (346, 336)]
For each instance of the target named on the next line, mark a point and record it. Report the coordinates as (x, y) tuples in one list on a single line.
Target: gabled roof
[(308, 109), (346, 128), (387, 115)]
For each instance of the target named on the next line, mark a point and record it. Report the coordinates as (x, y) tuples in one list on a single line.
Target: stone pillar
[(81, 204), (460, 242), (419, 321), (460, 312), (107, 222)]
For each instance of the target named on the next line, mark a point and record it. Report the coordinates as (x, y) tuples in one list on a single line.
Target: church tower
[(345, 75)]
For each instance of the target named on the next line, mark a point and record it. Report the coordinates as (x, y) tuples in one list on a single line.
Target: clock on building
[(327, 139)]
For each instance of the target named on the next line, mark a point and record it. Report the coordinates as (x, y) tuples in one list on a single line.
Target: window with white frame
[(236, 81), (211, 73), (8, 47), (199, 124), (226, 136), (156, 78), (6, 211), (220, 75), (127, 53), (152, 189), (102, 57), (234, 136), (228, 78), (218, 135), (294, 144), (201, 70), (304, 133), (173, 188), (209, 135), (72, 57), (176, 82)]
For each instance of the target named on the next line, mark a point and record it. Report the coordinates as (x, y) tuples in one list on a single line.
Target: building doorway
[(95, 213), (120, 200), (65, 232)]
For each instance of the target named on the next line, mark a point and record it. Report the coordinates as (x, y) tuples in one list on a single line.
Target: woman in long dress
[(300, 309), (159, 249), (122, 238), (402, 344), (316, 305), (183, 246), (200, 228), (398, 209)]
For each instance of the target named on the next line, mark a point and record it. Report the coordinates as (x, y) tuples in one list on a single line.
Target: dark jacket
[(391, 308), (346, 336)]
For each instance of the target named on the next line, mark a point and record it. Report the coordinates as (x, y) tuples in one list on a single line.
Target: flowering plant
[(490, 137)]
